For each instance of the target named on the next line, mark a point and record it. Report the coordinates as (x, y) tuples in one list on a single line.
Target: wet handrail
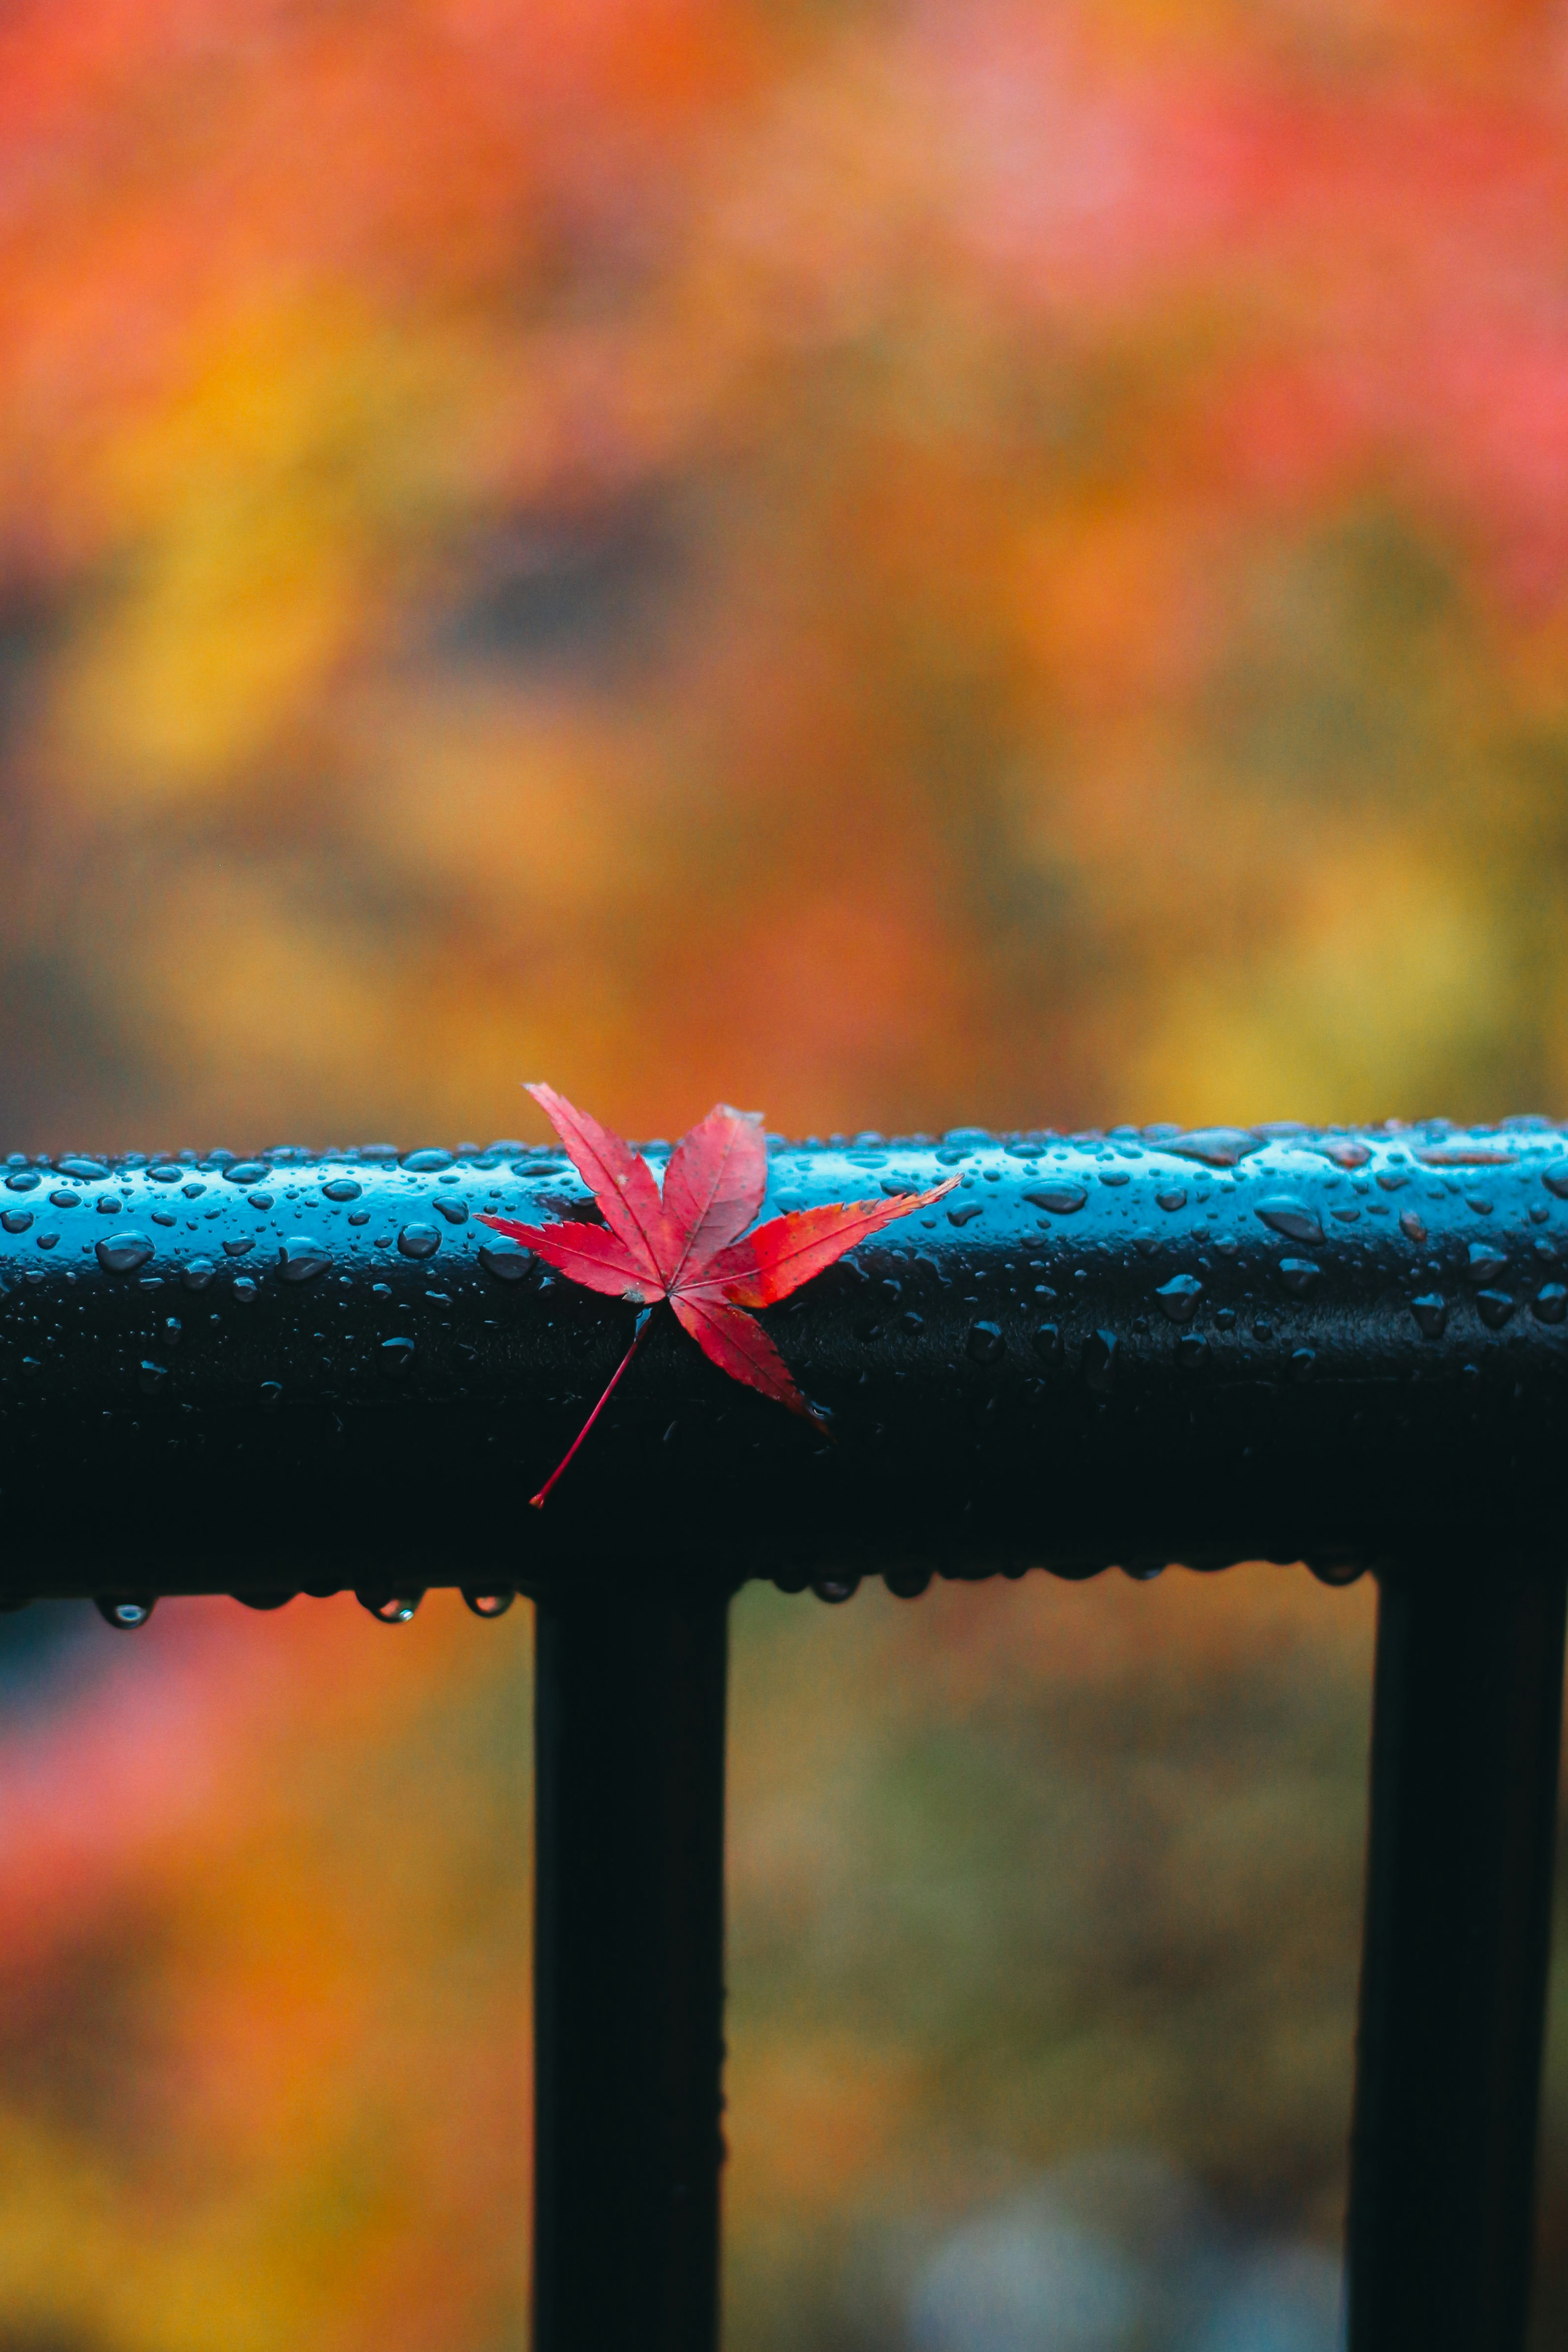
[(306, 1373)]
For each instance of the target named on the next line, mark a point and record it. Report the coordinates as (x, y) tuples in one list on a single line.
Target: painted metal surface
[(217, 1375)]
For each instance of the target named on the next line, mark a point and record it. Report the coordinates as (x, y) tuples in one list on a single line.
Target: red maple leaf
[(686, 1245)]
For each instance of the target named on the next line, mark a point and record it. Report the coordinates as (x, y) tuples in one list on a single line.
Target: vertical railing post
[(1466, 1728), (629, 1713)]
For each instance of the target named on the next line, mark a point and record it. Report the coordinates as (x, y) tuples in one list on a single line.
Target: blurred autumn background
[(906, 564)]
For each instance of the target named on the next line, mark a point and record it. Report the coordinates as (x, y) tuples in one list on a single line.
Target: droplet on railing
[(506, 1261), (1063, 1200), (302, 1257), (1179, 1298), (835, 1588), (1295, 1218), (489, 1604), (390, 1608), (123, 1253), (124, 1614), (906, 1583)]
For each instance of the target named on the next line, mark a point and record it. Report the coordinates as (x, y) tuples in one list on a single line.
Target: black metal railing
[(298, 1374)]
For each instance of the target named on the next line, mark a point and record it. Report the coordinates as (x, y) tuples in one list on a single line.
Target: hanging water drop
[(390, 1608), (489, 1604), (125, 1615)]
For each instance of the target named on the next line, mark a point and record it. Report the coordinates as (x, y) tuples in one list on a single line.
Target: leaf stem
[(537, 1502)]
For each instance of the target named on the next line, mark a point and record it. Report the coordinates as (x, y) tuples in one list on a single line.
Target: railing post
[(629, 1715), (1466, 1728)]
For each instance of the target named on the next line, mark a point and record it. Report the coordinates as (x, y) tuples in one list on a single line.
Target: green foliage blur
[(906, 566)]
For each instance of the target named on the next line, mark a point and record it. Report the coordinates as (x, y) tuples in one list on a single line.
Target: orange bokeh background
[(902, 565)]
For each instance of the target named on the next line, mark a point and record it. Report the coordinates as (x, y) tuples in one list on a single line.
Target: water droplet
[(426, 1163), (1192, 1352), (49, 1240), (1115, 1176), (1179, 1298), (1298, 1275), (397, 1355), (125, 1615), (455, 1211), (1336, 1573), (164, 1173), (419, 1241), (488, 1604), (243, 1290), (341, 1188), (1102, 1361), (1062, 1199), (906, 1583), (239, 1248), (506, 1261), (22, 1180), (1391, 1181), (390, 1608), (1494, 1307), (1217, 1147), (1174, 1198), (1431, 1313), (123, 1253), (65, 1199), (246, 1171), (1143, 1571), (1411, 1226), (1464, 1155), (151, 1376), (835, 1588), (966, 1212), (271, 1391), (1302, 1361), (85, 1171), (197, 1273), (1484, 1262), (1297, 1220), (302, 1257), (1344, 1155), (16, 1221), (1550, 1303), (1048, 1342), (986, 1343)]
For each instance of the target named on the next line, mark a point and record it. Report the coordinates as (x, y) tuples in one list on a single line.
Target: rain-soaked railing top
[(303, 1372)]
